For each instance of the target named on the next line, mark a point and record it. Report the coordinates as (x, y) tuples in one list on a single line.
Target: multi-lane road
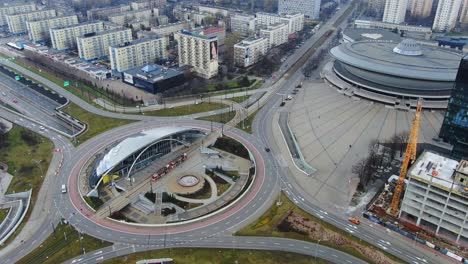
[(211, 232)]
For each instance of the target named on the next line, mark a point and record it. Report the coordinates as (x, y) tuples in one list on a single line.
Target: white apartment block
[(436, 198), (214, 10), (144, 4), (243, 24), (395, 11), (249, 51), (63, 38), (197, 17), (275, 34), (137, 53), (310, 8), (446, 15), (17, 22), (104, 12), (421, 8), (172, 28), (93, 46), (464, 13), (126, 17), (38, 30), (198, 51), (295, 22), (12, 8), (266, 19)]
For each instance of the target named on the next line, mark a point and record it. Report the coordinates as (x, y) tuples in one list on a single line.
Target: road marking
[(334, 255), (97, 253), (100, 258)]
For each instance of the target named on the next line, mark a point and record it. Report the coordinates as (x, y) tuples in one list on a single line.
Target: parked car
[(354, 220)]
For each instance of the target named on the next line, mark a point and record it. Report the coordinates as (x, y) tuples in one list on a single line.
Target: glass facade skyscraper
[(455, 126)]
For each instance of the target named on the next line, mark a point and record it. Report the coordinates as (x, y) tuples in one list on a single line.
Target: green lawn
[(187, 109), (220, 118), (247, 124), (239, 99), (217, 256), (28, 156), (96, 124), (55, 249), (3, 214), (267, 224)]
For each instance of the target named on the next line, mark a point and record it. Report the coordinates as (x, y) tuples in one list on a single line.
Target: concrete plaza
[(334, 132)]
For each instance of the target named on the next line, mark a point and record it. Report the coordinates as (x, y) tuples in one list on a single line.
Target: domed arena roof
[(408, 47)]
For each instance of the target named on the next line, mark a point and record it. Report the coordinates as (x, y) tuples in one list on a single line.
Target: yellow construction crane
[(409, 155)]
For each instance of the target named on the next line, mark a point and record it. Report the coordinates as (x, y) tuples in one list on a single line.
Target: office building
[(435, 197), (276, 34), (145, 4), (249, 51), (172, 28), (38, 30), (395, 11), (137, 53), (153, 78), (351, 34), (446, 15), (198, 51), (104, 12), (421, 8), (125, 17), (243, 24), (13, 8), (17, 22), (455, 126), (310, 8), (218, 32), (162, 20), (64, 38), (94, 45)]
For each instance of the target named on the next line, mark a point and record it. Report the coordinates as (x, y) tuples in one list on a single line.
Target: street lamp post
[(316, 248)]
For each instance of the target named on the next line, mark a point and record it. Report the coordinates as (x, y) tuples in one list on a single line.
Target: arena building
[(394, 74), (140, 150)]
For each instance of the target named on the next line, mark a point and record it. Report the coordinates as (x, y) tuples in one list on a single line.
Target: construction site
[(428, 201)]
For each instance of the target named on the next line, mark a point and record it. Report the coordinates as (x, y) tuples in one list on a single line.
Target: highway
[(215, 231)]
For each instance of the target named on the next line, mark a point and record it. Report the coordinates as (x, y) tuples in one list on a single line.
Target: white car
[(64, 188)]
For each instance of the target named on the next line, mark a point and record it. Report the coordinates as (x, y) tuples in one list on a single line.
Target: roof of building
[(130, 12), (369, 34), (105, 32), (463, 167), (50, 18), (435, 63), (153, 73), (140, 40), (212, 30), (79, 24), (436, 169), (455, 41), (29, 12), (194, 34), (133, 143)]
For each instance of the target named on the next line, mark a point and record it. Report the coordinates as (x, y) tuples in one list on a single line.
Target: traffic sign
[(66, 83)]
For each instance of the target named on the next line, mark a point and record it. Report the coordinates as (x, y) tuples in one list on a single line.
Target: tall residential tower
[(446, 15), (310, 8), (395, 11)]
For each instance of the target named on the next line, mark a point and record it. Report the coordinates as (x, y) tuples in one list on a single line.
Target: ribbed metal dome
[(408, 47)]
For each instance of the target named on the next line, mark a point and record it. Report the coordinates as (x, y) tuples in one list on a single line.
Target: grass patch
[(240, 99), (216, 256), (246, 125), (187, 109), (96, 124), (94, 202), (55, 249), (3, 214), (267, 225), (28, 157), (222, 118)]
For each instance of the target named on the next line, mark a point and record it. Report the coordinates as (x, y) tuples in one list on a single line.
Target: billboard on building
[(214, 50), (128, 78)]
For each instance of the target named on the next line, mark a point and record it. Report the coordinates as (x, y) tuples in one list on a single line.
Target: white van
[(64, 188)]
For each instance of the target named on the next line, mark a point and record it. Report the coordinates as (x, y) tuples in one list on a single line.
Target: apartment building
[(13, 8), (17, 22), (198, 51), (446, 15), (213, 10), (276, 34), (199, 18), (63, 38), (125, 17), (243, 24), (266, 19), (94, 45), (145, 4), (104, 12), (249, 51), (137, 53), (464, 13), (38, 30), (421, 8), (172, 28), (395, 11), (310, 8), (294, 21), (436, 196)]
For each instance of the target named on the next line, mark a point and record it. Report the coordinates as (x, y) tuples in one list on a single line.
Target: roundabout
[(86, 215)]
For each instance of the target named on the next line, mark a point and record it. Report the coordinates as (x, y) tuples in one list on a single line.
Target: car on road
[(15, 101), (354, 220), (282, 103), (289, 97), (267, 149), (3, 93), (64, 188)]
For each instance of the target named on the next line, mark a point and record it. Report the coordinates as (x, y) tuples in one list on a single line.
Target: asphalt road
[(209, 232)]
